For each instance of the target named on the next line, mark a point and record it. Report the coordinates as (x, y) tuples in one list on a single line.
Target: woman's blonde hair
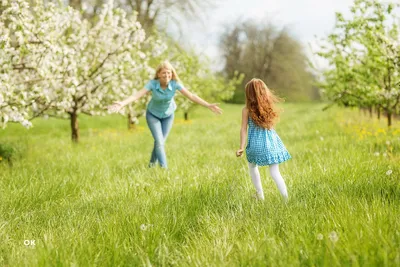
[(168, 66), (260, 102)]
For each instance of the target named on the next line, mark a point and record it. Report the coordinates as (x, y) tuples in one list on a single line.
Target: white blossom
[(333, 236), (320, 236), (62, 63)]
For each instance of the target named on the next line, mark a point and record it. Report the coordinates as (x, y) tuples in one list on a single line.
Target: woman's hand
[(239, 152), (214, 108), (115, 107)]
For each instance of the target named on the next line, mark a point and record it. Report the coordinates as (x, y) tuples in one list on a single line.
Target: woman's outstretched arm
[(196, 99), (116, 106)]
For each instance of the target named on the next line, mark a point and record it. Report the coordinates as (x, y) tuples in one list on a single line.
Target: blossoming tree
[(364, 52), (63, 65), (25, 60)]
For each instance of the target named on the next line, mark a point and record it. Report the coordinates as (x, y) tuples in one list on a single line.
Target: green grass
[(97, 203)]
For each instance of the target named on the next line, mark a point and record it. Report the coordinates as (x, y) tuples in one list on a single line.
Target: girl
[(161, 108), (264, 147)]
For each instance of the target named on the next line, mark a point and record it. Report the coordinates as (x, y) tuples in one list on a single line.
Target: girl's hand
[(239, 152), (115, 107), (214, 108)]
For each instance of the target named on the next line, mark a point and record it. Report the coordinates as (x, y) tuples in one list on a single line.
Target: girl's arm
[(116, 106), (196, 99), (243, 132)]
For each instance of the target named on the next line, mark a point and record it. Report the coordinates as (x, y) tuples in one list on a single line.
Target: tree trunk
[(131, 125), (370, 112), (389, 119), (364, 111), (378, 111), (76, 4), (186, 115), (74, 126)]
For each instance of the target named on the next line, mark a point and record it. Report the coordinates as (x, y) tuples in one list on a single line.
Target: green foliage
[(364, 54), (9, 152), (263, 51), (6, 152)]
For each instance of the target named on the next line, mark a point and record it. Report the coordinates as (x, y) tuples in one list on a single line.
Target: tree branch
[(42, 111), (22, 66)]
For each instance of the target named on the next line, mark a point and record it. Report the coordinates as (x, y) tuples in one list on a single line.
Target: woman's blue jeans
[(159, 129)]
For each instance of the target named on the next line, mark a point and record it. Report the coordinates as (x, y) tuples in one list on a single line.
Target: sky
[(307, 20)]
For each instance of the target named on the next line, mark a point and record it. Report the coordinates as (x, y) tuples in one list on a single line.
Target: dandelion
[(321, 138), (388, 142), (389, 172), (384, 154), (320, 236), (333, 236), (380, 130), (376, 154), (1, 158), (143, 227)]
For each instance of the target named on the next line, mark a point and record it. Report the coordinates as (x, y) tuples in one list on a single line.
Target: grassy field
[(97, 203)]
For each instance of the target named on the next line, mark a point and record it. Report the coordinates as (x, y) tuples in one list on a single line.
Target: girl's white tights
[(276, 175)]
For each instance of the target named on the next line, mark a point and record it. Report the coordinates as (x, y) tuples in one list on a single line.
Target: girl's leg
[(255, 178), (280, 183), (158, 153)]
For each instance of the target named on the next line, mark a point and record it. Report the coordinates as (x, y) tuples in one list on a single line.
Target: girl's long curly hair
[(260, 102)]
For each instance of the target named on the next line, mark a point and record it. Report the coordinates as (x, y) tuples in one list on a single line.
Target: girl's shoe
[(258, 197)]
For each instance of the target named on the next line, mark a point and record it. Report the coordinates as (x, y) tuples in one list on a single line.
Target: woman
[(161, 108)]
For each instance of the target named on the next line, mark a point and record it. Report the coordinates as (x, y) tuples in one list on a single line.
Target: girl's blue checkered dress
[(264, 147)]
